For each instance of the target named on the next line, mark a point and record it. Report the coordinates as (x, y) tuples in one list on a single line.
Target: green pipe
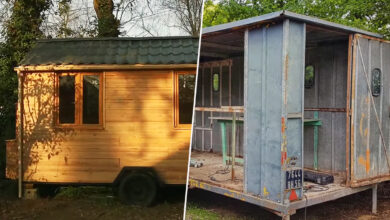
[(316, 142), (223, 135)]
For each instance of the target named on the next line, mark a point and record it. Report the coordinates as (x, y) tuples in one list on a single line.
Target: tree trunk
[(108, 25)]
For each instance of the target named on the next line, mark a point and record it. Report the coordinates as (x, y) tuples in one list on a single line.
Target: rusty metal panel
[(273, 91), (370, 114), (294, 65)]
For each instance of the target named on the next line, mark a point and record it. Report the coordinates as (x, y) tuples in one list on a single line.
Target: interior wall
[(207, 133), (330, 61)]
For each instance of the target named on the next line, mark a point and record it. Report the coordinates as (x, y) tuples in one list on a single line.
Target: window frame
[(314, 77), (176, 109), (79, 100)]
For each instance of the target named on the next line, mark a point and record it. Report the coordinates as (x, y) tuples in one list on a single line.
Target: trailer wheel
[(47, 191), (138, 189)]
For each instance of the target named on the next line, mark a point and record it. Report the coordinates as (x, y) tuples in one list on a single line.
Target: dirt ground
[(88, 203), (207, 205)]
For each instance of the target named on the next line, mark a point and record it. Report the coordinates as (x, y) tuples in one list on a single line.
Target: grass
[(83, 192), (194, 212), (89, 202)]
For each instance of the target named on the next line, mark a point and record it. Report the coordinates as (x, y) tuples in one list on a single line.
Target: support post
[(233, 144), (223, 136), (20, 134), (315, 142), (374, 198)]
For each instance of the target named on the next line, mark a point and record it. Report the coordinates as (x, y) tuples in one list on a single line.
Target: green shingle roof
[(151, 50)]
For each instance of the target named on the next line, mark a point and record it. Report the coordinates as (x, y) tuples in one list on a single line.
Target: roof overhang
[(282, 15), (102, 67)]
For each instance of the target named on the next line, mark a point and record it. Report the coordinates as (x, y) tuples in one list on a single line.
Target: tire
[(47, 191), (138, 189)]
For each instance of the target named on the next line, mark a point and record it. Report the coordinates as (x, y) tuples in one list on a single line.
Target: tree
[(371, 15), (21, 31), (108, 25), (188, 13)]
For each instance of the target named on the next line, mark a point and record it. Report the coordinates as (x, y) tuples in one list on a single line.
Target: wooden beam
[(216, 55), (222, 46), (222, 109), (35, 68)]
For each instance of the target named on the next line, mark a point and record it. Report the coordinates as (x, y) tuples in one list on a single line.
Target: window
[(79, 98), (184, 98), (376, 82), (215, 82), (309, 76)]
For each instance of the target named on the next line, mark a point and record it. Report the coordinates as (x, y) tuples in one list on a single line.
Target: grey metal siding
[(274, 88), (369, 157)]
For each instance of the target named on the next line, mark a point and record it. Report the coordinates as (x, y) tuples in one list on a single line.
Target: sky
[(137, 21)]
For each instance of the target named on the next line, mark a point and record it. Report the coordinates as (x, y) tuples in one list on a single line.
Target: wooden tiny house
[(95, 109)]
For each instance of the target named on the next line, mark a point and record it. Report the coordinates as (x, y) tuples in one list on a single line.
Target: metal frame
[(281, 209), (280, 15)]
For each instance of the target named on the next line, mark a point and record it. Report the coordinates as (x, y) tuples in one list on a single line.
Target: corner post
[(374, 198), (20, 133)]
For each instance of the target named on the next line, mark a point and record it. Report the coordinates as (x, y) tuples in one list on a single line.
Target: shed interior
[(220, 92)]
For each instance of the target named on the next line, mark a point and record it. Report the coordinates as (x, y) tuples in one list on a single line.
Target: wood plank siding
[(137, 130)]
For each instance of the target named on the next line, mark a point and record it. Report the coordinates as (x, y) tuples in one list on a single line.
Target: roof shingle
[(151, 50)]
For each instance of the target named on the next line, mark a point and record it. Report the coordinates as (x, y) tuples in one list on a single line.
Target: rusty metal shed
[(300, 95)]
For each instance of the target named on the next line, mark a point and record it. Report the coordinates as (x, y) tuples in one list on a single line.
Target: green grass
[(194, 213)]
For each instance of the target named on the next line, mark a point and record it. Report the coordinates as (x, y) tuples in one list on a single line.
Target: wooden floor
[(214, 172)]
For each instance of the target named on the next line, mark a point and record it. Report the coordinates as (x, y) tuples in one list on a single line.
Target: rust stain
[(283, 125), (362, 161), (365, 132), (284, 157), (365, 161)]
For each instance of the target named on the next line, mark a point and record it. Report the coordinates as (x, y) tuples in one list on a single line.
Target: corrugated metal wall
[(368, 151), (273, 92)]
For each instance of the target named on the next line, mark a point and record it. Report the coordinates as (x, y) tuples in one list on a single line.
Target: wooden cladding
[(137, 109)]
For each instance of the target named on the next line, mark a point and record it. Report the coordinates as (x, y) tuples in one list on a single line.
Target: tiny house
[(112, 111), (291, 111)]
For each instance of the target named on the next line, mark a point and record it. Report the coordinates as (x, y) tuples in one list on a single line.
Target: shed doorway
[(325, 102)]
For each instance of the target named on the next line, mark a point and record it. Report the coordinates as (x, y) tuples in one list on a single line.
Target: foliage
[(64, 13), (371, 15), (108, 25), (188, 13), (21, 31)]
